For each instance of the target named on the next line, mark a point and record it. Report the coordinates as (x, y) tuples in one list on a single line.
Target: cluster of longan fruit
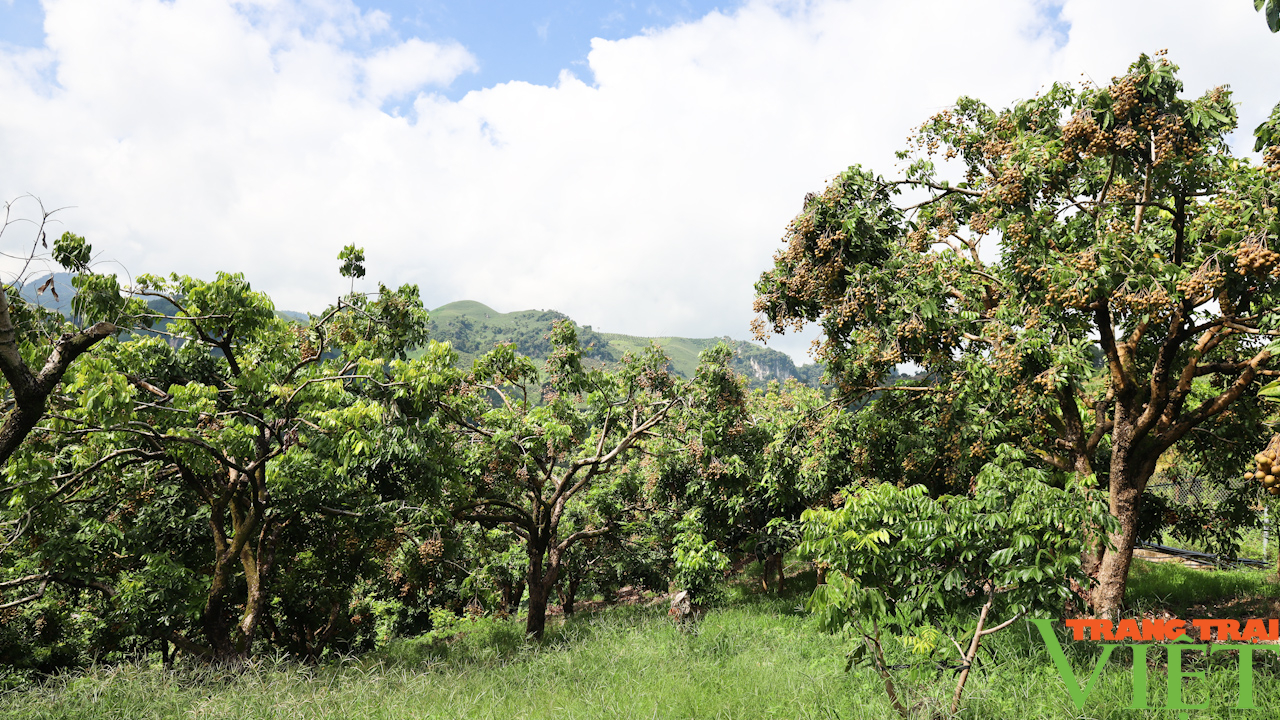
[(1267, 468), (1072, 296), (1146, 301), (1009, 186), (431, 549), (306, 350), (1203, 282), (1271, 159), (912, 328), (1170, 138), (1125, 96), (1265, 473), (1255, 259)]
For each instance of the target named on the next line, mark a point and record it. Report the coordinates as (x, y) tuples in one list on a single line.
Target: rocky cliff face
[(766, 369), (763, 365)]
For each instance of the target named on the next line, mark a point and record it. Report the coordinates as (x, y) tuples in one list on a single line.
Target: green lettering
[(1176, 674), (1245, 701), (1139, 678), (1078, 696)]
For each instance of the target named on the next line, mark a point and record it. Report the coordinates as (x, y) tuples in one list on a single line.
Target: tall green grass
[(759, 657)]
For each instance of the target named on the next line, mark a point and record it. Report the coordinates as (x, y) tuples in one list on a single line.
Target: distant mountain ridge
[(473, 328), (42, 293)]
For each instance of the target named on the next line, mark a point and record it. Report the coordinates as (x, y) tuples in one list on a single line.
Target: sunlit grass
[(758, 657)]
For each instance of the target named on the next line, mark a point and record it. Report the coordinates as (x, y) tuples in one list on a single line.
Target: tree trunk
[(771, 566), (1128, 479), (505, 590), (257, 565), (517, 595), (782, 576), (230, 639), (540, 584), (568, 593), (214, 619), (536, 622)]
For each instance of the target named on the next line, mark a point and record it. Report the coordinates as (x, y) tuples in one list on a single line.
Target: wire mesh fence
[(1194, 490), (1196, 509)]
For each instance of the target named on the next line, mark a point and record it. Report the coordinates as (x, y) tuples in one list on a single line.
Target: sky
[(631, 164)]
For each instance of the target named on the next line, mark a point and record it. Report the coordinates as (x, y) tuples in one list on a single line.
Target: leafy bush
[(922, 567)]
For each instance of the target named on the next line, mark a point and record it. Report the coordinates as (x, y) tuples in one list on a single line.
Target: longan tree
[(37, 347), (747, 463), (534, 468), (232, 459), (1088, 221)]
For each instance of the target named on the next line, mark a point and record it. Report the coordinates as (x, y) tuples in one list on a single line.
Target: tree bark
[(1129, 476), (31, 390), (568, 594), (540, 584), (536, 621), (517, 596)]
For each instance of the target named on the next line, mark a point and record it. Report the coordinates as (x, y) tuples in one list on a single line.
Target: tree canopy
[(1022, 246)]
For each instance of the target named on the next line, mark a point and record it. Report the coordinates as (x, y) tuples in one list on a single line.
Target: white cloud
[(198, 135), (412, 65)]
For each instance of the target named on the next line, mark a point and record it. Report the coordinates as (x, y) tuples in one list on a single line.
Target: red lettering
[(1077, 626), (1127, 629)]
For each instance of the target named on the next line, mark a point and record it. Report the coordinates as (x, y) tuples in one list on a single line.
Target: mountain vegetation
[(472, 328)]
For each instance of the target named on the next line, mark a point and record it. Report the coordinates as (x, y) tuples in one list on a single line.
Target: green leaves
[(699, 565), (103, 393), (72, 252), (1272, 13), (906, 560), (352, 259), (98, 297), (1268, 131)]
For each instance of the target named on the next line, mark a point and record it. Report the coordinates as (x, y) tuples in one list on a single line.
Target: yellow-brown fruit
[(1274, 490), (1269, 481), (1248, 475)]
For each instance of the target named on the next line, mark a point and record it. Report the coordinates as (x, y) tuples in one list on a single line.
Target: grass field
[(757, 657)]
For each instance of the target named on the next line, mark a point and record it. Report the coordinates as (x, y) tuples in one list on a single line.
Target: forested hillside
[(473, 328)]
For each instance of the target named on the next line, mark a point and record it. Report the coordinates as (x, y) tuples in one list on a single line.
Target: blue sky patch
[(22, 23), (533, 40), (529, 40)]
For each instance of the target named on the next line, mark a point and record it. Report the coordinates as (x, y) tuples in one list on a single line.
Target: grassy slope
[(682, 351), (756, 658)]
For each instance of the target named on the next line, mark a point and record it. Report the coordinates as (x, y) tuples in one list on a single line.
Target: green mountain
[(473, 329)]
